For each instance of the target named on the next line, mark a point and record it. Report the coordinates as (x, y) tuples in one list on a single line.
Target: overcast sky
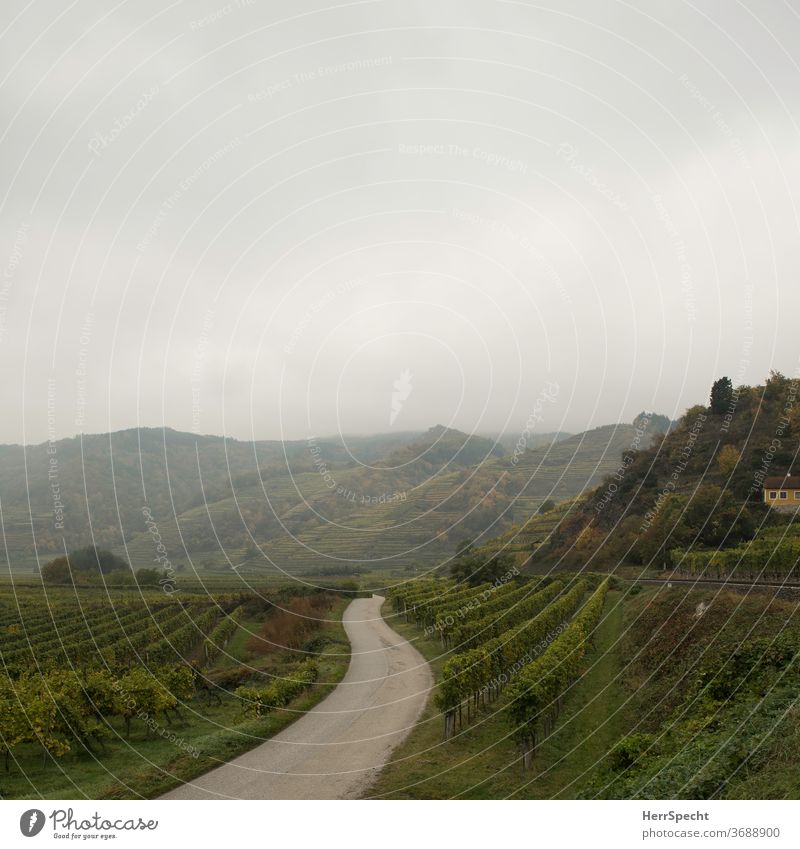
[(265, 219)]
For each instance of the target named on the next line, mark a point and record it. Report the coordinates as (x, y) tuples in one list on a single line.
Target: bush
[(86, 565), (258, 701), (288, 628), (629, 750)]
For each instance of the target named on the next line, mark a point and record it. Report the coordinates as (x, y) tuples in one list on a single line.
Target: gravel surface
[(336, 750)]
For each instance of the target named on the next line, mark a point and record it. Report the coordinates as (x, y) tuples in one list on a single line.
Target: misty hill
[(310, 505), (442, 448), (508, 441), (99, 483), (386, 515)]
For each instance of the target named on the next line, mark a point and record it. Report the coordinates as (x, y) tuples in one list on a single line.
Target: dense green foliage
[(484, 670), (65, 708), (472, 567), (521, 635), (506, 612), (773, 555), (94, 633), (653, 422), (257, 701), (708, 516), (93, 565), (714, 712), (83, 565), (217, 640), (457, 624)]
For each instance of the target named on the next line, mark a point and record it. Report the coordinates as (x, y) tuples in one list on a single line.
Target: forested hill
[(96, 485), (324, 503), (700, 486), (408, 510)]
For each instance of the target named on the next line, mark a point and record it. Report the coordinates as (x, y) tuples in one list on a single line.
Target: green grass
[(148, 764), (482, 762), (236, 649)]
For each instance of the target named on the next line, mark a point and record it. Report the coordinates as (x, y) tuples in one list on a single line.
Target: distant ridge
[(389, 500)]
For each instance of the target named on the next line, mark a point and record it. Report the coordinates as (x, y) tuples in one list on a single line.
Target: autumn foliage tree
[(291, 625), (727, 459)]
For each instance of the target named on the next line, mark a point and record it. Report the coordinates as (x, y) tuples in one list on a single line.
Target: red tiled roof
[(786, 482)]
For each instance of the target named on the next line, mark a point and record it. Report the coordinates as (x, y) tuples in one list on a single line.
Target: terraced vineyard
[(521, 541), (105, 480), (301, 523), (268, 508), (774, 555)]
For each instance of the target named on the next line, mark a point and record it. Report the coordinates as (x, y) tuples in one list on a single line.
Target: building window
[(784, 493), (797, 495), (773, 494)]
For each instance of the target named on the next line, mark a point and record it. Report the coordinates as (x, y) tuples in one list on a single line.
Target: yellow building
[(782, 491)]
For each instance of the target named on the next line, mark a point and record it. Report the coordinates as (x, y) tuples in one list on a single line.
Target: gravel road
[(336, 750)]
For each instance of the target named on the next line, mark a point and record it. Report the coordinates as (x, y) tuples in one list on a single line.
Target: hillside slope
[(96, 485), (401, 512), (699, 488), (317, 505)]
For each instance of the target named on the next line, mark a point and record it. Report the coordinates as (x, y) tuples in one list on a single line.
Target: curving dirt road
[(335, 750)]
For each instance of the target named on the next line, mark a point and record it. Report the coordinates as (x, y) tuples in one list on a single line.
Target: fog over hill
[(230, 223), (300, 505)]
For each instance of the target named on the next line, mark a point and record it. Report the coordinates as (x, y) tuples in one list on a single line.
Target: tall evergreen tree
[(721, 394)]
